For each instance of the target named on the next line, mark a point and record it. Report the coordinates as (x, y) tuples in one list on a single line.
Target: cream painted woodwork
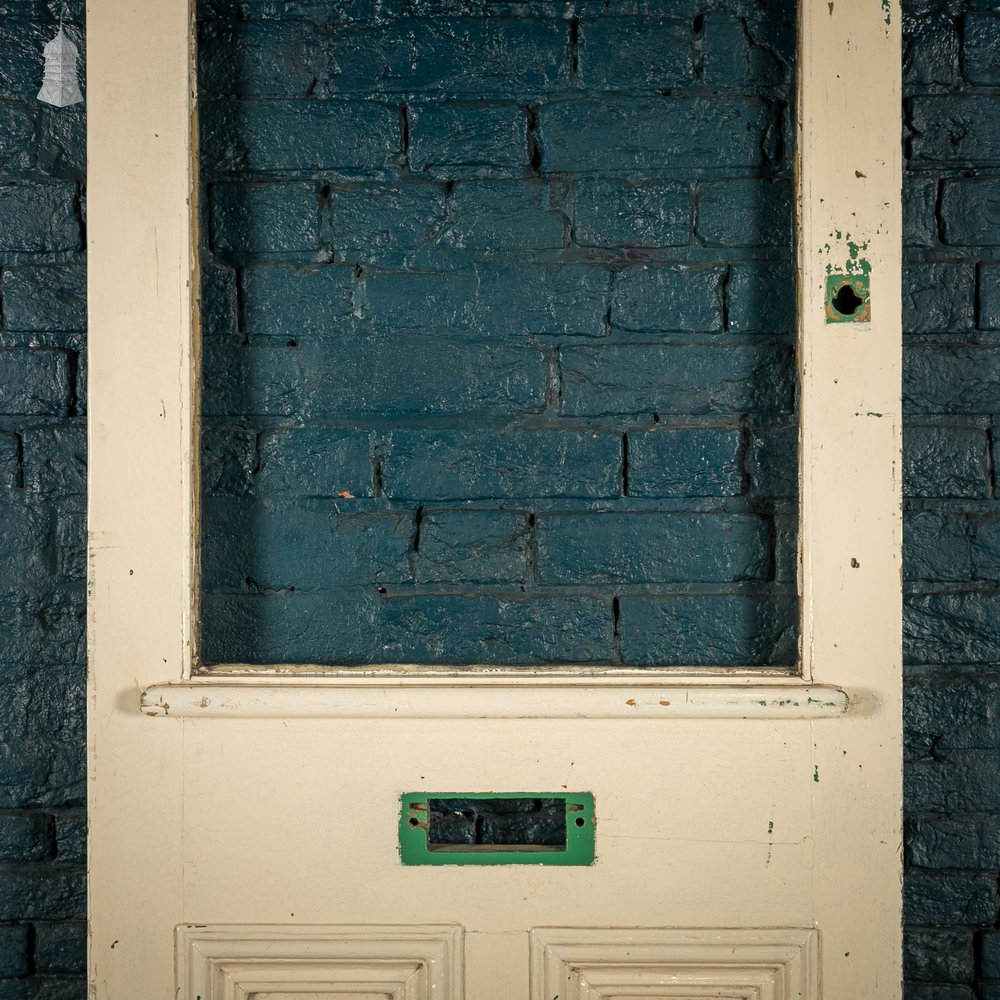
[(747, 822), (298, 963), (575, 963)]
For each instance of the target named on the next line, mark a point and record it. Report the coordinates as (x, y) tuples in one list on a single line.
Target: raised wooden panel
[(346, 962), (577, 963)]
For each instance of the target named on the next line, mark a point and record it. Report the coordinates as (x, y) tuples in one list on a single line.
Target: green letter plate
[(414, 821)]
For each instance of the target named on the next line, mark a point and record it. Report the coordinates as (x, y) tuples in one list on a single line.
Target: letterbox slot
[(524, 824), (496, 828)]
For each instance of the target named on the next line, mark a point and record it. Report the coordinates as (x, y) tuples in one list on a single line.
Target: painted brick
[(760, 298), (42, 892), (939, 298), (938, 991), (62, 142), (219, 313), (304, 628), (951, 628), (623, 213), (368, 222), (79, 385), (473, 547), (443, 378), (55, 460), (685, 462), (302, 549), (69, 544), (704, 630), (963, 782), (989, 296), (46, 626), (941, 379), (47, 298), (743, 212), (39, 217), (919, 213), (981, 38), (21, 62), (34, 383), (17, 140), (786, 539), (264, 218), (930, 50), (470, 629), (732, 60), (985, 546), (959, 712), (970, 210), (950, 128), (695, 380), (651, 134), (25, 836), (61, 947), (468, 141), (286, 303), (938, 548), (313, 462), (14, 950), (44, 988), (945, 461), (55, 626), (10, 459), (772, 461), (352, 138), (483, 465), (492, 300), (989, 958), (417, 301), (228, 458), (477, 58), (511, 215), (42, 717), (532, 8), (333, 627), (260, 59), (634, 53), (651, 548), (949, 899), (939, 955), (652, 299), (352, 12), (71, 838), (24, 541), (969, 842)]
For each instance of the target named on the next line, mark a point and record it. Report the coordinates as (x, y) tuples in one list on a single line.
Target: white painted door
[(245, 831)]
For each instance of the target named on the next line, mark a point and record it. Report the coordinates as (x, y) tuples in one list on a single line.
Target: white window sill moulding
[(317, 693)]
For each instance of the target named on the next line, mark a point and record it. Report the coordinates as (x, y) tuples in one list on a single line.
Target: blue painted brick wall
[(952, 302), (952, 522), (42, 520), (498, 313)]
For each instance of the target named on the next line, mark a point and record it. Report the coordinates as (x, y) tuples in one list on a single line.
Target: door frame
[(144, 400), (143, 424)]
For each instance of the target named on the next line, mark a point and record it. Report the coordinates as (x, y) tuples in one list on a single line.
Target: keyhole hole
[(846, 301)]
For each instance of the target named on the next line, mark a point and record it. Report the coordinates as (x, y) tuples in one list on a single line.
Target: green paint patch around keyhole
[(848, 298)]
